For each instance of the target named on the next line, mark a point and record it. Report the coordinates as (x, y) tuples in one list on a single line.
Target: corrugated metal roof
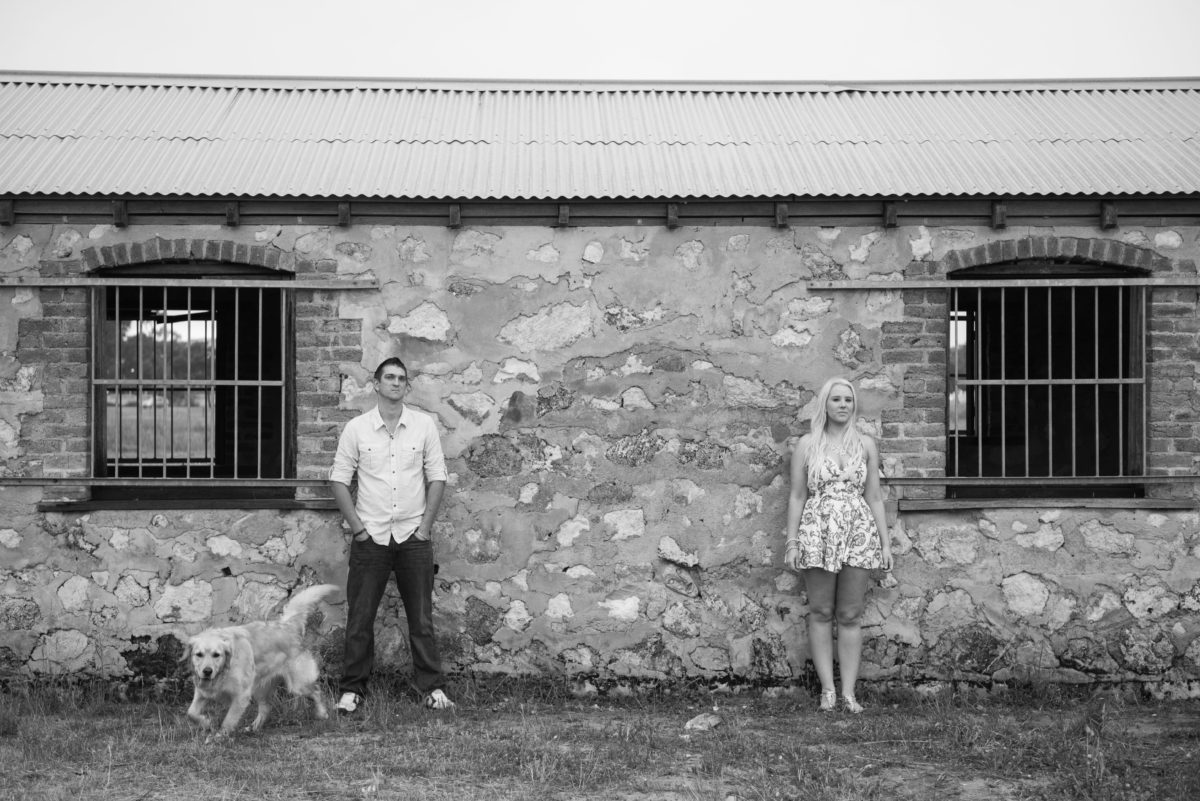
[(125, 135)]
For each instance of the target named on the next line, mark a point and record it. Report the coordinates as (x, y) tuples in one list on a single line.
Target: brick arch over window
[(1074, 250), (158, 250)]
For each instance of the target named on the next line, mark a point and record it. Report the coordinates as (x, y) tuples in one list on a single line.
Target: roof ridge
[(572, 85)]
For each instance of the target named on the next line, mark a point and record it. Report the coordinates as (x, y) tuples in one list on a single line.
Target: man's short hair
[(393, 361)]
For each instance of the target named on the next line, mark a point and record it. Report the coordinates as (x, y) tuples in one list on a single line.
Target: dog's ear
[(187, 652)]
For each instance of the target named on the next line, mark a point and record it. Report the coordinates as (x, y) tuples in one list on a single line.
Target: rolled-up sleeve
[(435, 460), (345, 461)]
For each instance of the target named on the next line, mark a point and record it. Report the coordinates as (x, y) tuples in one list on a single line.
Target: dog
[(237, 663)]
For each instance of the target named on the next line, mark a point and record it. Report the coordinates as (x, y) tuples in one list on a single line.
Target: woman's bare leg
[(821, 586), (851, 598)]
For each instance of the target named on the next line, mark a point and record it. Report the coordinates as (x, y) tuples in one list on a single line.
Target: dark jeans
[(411, 562)]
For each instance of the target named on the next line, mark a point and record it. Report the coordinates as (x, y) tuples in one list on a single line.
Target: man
[(397, 456)]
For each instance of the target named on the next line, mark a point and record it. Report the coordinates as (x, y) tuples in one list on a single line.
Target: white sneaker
[(438, 700), (348, 703)]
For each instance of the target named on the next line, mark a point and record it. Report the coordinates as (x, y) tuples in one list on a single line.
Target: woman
[(836, 533)]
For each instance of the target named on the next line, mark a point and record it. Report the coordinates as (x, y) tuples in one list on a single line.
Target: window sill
[(950, 504), (114, 504)]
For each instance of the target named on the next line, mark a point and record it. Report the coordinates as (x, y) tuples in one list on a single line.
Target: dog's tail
[(300, 606)]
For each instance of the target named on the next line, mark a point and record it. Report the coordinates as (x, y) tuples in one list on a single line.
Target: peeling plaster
[(622, 609), (593, 252), (475, 406), (545, 254), (412, 250), (551, 328), (922, 244), (512, 369), (474, 248), (426, 322), (862, 251), (1025, 594), (1168, 240), (635, 398), (692, 256), (669, 549), (626, 523), (517, 617), (632, 251), (559, 607), (65, 243)]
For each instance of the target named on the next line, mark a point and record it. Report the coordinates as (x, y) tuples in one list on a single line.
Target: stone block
[(1145, 649)]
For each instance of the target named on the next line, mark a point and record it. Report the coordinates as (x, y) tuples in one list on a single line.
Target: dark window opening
[(1046, 382), (193, 382)]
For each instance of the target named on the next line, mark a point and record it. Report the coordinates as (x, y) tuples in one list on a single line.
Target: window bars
[(190, 381), (1046, 379)]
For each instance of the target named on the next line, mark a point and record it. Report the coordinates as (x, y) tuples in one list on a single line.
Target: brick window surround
[(58, 441), (915, 432)]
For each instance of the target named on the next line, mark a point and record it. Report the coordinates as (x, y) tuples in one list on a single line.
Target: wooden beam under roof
[(858, 211)]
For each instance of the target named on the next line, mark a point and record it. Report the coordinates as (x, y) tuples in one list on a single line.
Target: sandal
[(852, 706), (828, 700)]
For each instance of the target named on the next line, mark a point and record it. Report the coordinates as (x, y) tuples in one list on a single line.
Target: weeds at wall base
[(167, 689)]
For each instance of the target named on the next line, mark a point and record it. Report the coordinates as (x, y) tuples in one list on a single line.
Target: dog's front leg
[(236, 709), (196, 712)]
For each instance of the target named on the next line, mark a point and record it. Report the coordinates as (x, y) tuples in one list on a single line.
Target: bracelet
[(360, 531)]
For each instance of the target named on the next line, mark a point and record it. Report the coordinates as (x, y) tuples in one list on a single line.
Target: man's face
[(392, 383)]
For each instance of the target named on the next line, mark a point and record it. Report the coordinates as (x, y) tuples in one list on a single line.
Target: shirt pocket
[(409, 456), (373, 457)]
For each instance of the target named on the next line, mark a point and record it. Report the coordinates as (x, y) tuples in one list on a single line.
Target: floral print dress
[(836, 525)]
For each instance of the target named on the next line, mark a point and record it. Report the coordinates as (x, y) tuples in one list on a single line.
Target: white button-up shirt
[(392, 468)]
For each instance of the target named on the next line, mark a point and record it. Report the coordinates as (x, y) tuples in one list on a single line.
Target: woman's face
[(840, 405)]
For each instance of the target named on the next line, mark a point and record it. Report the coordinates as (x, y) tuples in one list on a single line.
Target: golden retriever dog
[(237, 663)]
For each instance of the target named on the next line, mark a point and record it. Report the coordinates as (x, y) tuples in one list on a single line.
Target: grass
[(520, 739)]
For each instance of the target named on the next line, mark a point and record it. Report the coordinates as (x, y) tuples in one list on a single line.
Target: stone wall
[(617, 407)]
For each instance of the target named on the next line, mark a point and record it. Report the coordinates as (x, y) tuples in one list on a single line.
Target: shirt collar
[(377, 419)]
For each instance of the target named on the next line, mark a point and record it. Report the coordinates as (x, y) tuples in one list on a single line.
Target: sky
[(617, 40)]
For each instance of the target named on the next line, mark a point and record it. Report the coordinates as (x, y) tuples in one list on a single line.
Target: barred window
[(192, 382), (1046, 387)]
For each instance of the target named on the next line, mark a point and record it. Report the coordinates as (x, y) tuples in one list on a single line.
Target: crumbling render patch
[(1025, 594), (546, 254), (549, 329), (474, 406), (691, 255), (669, 550), (426, 322)]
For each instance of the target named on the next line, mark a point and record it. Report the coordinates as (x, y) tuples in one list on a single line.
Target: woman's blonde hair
[(818, 441)]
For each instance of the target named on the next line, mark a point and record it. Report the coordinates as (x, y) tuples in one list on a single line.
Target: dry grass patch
[(511, 739)]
